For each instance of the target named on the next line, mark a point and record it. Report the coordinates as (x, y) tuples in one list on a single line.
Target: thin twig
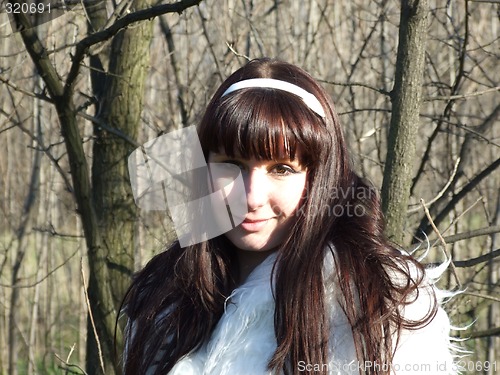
[(25, 92), (480, 295), (70, 352), (39, 281), (101, 359), (236, 53), (354, 84), (68, 365), (462, 214), (463, 235), (443, 242), (109, 128), (443, 190), (462, 96)]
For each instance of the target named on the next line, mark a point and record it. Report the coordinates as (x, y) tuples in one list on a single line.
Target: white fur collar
[(243, 341)]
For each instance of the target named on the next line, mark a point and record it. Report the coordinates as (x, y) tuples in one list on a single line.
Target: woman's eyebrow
[(221, 155), (287, 160)]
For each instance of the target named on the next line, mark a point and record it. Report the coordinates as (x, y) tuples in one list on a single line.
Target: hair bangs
[(264, 124)]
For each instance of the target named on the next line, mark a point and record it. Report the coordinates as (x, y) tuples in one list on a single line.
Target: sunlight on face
[(273, 191)]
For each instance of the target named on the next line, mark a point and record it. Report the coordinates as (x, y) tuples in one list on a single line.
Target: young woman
[(307, 283)]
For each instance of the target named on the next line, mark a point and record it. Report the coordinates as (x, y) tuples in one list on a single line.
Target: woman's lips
[(253, 225)]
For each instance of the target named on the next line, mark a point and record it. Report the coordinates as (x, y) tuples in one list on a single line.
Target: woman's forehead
[(268, 126), (221, 153), (260, 149)]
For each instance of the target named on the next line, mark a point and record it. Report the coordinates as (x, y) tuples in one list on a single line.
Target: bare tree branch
[(449, 106), (481, 334), (462, 96), (357, 84), (39, 55), (443, 243), (167, 33), (91, 316), (478, 260), (24, 92), (442, 191), (50, 273), (122, 23), (471, 234), (462, 193)]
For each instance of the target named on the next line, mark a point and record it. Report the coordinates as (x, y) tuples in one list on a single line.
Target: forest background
[(92, 82)]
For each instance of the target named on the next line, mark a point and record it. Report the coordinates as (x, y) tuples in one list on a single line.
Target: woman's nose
[(257, 189)]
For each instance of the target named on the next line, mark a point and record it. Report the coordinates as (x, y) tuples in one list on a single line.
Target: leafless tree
[(350, 46)]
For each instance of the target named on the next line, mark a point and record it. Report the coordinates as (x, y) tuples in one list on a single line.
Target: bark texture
[(406, 98)]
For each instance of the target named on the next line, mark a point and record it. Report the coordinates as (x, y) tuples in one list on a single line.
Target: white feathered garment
[(243, 341)]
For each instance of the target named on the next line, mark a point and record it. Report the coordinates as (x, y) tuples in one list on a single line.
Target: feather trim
[(243, 341)]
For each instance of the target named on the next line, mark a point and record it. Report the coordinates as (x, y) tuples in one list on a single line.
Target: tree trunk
[(406, 97), (106, 205), (120, 106)]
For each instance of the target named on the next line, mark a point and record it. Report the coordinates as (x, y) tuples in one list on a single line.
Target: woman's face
[(273, 190)]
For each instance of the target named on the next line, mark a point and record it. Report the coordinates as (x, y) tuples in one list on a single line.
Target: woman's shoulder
[(429, 347), (424, 343)]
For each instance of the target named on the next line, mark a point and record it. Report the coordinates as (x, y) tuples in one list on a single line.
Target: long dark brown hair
[(175, 302)]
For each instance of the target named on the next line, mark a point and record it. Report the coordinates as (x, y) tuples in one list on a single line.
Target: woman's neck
[(248, 260)]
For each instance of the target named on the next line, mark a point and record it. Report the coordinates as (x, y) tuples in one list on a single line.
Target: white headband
[(309, 99)]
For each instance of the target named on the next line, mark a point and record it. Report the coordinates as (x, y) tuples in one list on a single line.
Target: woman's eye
[(283, 170)]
